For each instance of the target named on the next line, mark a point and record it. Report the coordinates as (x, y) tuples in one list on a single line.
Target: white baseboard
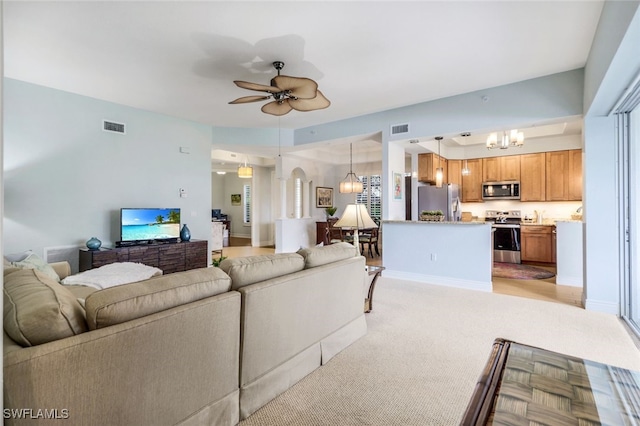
[(606, 307), (436, 280), (573, 281)]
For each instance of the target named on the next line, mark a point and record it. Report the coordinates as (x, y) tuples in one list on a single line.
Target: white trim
[(439, 280), (606, 307)]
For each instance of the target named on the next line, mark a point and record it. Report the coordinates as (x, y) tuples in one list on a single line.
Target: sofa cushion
[(317, 256), (37, 309), (123, 303), (30, 260), (252, 269)]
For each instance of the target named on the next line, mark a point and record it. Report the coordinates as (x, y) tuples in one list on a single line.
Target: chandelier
[(509, 138)]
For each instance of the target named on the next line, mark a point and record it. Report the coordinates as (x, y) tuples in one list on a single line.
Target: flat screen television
[(149, 224)]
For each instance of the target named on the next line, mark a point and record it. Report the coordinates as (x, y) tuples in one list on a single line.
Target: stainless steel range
[(506, 238)]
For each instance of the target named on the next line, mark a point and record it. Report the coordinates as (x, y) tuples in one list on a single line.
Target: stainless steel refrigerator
[(445, 199)]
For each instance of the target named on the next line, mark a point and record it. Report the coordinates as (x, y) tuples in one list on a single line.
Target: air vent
[(399, 129), (112, 126)]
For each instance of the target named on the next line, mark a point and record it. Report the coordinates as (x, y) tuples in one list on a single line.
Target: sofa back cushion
[(126, 302), (252, 269), (317, 256), (37, 309)]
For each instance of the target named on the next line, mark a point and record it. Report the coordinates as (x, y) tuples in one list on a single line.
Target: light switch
[(183, 193)]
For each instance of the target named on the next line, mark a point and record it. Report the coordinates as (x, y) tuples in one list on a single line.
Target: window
[(297, 197), (371, 195), (246, 217)]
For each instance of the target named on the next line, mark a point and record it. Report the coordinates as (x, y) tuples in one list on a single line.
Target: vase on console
[(185, 234), (93, 243)]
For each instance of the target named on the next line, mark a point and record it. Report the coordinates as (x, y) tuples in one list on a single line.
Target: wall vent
[(112, 126), (398, 129)]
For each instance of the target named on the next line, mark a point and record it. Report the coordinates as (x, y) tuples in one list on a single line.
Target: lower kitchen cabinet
[(537, 244)]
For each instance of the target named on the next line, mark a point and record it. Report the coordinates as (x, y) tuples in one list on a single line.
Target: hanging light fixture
[(439, 170), (245, 172), (465, 169), (509, 138), (351, 184)]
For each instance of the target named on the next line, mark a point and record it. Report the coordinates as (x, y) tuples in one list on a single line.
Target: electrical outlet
[(183, 193)]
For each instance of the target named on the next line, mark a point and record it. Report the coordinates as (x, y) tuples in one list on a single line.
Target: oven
[(506, 235)]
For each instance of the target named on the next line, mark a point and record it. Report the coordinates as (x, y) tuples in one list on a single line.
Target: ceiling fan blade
[(277, 107), (299, 87), (247, 99), (256, 86), (319, 102)]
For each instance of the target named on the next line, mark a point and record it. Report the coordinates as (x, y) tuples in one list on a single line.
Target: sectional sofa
[(206, 346)]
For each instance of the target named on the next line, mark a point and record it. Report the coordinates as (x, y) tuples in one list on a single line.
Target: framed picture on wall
[(398, 183), (236, 199), (324, 197)]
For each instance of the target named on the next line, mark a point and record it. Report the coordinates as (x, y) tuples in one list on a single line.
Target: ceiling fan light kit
[(288, 93)]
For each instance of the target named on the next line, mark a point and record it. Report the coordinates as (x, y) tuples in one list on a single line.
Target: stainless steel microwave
[(508, 190)]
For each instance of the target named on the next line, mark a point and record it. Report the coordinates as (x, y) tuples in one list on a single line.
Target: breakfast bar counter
[(456, 254)]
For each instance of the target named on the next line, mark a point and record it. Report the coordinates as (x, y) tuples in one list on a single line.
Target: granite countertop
[(435, 223)]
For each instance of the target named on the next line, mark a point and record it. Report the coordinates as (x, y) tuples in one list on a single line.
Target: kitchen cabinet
[(537, 243), (564, 175), (427, 165), (497, 169), (472, 183), (575, 175), (533, 177), (454, 172)]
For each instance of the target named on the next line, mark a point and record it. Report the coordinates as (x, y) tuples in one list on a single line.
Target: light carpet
[(425, 349)]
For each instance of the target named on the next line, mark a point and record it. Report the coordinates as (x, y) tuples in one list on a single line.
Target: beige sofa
[(207, 346)]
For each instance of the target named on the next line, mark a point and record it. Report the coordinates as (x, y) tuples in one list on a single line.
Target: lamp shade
[(355, 216), (245, 172)]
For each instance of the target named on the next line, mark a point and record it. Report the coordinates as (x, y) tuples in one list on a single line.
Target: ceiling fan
[(289, 93)]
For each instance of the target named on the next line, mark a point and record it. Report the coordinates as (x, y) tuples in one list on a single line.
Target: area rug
[(517, 271)]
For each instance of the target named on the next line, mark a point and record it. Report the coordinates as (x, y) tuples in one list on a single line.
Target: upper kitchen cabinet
[(564, 175), (427, 165), (472, 183), (532, 177), (575, 175), (497, 169), (454, 172)]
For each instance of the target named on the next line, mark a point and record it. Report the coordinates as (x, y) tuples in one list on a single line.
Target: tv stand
[(135, 243), (174, 257)]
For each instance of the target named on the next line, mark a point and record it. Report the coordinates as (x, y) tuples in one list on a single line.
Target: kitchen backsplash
[(552, 210)]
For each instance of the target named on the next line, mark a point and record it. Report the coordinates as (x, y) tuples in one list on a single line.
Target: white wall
[(65, 179), (612, 64)]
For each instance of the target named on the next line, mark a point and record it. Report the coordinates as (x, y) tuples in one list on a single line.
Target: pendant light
[(465, 169), (439, 170), (351, 184), (245, 172)]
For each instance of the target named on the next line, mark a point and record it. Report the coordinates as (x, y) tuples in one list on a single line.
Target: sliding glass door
[(629, 155)]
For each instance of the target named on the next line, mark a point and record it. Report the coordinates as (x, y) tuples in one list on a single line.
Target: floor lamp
[(356, 217)]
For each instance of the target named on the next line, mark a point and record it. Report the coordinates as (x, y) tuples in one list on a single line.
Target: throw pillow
[(318, 256), (38, 310), (33, 261)]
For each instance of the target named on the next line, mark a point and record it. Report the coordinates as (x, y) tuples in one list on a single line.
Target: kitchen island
[(454, 254)]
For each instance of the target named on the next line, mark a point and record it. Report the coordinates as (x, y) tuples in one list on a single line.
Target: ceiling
[(180, 58)]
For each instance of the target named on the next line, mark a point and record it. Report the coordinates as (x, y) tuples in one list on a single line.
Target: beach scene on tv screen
[(150, 224)]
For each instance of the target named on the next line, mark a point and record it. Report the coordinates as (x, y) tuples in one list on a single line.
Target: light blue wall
[(524, 103), (65, 179)]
